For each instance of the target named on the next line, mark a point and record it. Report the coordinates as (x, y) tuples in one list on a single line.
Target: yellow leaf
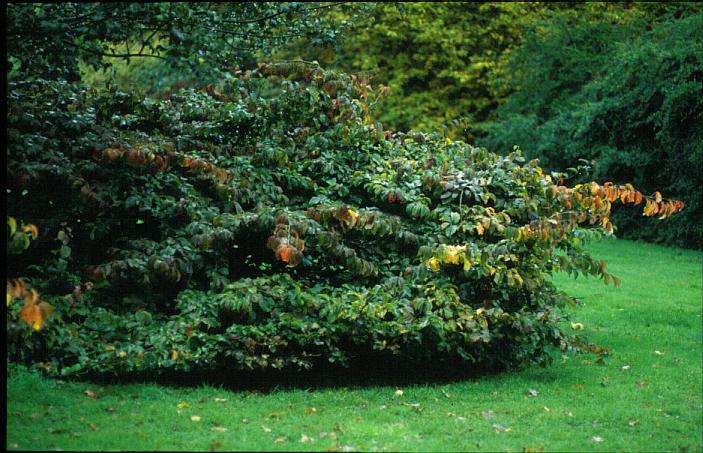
[(32, 297), (195, 418), (576, 326), (433, 263), (182, 405), (122, 354), (174, 354), (12, 223)]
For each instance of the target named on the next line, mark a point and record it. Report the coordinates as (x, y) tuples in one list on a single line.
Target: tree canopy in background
[(623, 91), (187, 40)]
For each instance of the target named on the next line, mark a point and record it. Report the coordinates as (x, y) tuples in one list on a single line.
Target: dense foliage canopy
[(618, 84), (268, 221), (627, 96)]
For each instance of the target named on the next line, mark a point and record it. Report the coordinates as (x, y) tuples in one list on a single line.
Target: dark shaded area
[(363, 372)]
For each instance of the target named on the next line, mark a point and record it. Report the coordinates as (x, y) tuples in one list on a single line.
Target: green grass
[(646, 396)]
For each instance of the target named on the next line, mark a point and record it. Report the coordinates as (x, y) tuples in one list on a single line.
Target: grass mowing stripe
[(646, 396)]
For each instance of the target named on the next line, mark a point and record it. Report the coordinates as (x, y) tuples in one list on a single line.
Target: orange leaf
[(31, 229), (16, 288), (638, 197), (286, 253), (31, 314)]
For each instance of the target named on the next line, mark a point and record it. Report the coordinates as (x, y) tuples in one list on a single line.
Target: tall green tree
[(440, 60), (622, 88)]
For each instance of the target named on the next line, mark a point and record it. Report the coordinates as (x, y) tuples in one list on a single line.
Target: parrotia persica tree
[(269, 222)]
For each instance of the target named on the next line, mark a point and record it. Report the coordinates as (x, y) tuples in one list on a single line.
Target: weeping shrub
[(269, 222)]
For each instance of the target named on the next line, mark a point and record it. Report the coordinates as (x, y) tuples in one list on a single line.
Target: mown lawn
[(645, 396)]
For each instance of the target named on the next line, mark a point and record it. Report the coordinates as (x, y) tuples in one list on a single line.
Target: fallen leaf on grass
[(280, 440), (310, 410), (415, 406), (546, 409), (346, 448), (182, 405), (446, 395), (306, 439), (642, 384), (219, 429), (659, 353), (331, 435), (195, 418), (93, 426), (532, 393), (110, 409), (597, 439), (451, 414), (632, 423), (220, 400), (488, 414), (625, 367), (500, 428), (266, 429), (578, 386), (398, 393), (91, 394), (576, 326)]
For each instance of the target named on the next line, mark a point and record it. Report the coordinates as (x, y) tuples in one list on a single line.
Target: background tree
[(438, 59), (48, 40), (622, 90)]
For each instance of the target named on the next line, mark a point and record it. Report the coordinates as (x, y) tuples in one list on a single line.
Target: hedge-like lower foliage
[(269, 223)]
